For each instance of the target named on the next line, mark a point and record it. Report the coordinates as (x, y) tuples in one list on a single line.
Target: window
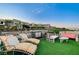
[(1, 22)]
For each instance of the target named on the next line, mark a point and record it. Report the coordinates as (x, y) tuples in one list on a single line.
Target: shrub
[(13, 28), (2, 28)]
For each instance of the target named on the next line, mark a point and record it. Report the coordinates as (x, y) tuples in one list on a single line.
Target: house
[(8, 23), (18, 24), (40, 26), (2, 22)]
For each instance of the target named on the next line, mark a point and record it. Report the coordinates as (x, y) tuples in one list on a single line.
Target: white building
[(2, 22)]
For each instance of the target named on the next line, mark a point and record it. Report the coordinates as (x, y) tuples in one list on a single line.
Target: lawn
[(49, 48)]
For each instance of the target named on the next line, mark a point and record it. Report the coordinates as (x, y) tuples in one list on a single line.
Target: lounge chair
[(27, 47), (25, 38), (11, 43), (4, 40)]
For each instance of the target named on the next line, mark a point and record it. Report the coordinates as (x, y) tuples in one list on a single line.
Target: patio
[(45, 47)]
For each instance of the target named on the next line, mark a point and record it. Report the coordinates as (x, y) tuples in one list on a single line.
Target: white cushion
[(38, 34), (53, 37), (62, 38), (12, 40), (0, 41), (24, 36)]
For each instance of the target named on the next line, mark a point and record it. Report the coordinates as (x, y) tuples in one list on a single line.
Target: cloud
[(37, 11)]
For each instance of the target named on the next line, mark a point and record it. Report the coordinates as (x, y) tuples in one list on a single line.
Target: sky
[(56, 14)]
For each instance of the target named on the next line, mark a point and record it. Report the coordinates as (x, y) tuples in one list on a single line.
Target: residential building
[(2, 22)]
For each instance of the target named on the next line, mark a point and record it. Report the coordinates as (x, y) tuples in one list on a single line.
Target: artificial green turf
[(49, 48)]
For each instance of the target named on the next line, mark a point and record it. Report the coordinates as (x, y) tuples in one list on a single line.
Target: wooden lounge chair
[(4, 40), (25, 38), (10, 45), (27, 47)]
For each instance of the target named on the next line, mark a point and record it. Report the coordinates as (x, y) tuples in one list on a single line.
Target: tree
[(54, 30)]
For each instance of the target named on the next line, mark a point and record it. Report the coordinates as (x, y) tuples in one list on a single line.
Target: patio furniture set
[(63, 36)]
